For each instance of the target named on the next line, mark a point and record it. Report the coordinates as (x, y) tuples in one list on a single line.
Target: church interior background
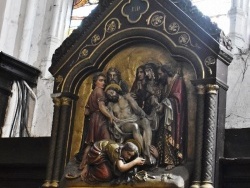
[(30, 33)]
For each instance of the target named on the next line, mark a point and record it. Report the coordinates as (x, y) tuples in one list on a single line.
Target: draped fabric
[(101, 161), (98, 129), (171, 140)]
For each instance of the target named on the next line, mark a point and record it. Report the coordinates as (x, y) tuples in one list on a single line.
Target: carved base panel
[(159, 177)]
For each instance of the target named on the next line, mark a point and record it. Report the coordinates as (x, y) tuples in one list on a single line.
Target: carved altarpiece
[(126, 34)]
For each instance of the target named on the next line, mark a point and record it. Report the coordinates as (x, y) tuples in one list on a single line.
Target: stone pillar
[(51, 159), (208, 160), (199, 136), (238, 23), (27, 31), (55, 35)]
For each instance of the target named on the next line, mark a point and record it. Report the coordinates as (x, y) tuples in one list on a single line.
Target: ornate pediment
[(185, 10), (172, 24)]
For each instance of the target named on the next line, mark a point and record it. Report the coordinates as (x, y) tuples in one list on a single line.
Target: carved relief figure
[(156, 125), (152, 94), (138, 89), (108, 160), (98, 115), (114, 77), (130, 118), (172, 109)]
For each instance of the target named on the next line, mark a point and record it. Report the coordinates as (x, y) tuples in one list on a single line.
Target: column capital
[(57, 101), (200, 89), (66, 101), (212, 88)]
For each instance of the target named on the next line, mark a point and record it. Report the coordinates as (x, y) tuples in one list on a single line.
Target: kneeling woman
[(107, 160)]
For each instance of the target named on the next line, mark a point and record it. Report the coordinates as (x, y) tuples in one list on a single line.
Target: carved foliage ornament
[(111, 26), (158, 19), (59, 80), (209, 61)]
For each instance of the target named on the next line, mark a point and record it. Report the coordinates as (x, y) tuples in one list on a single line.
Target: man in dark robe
[(173, 118)]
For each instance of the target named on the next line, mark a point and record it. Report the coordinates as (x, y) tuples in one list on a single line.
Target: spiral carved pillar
[(208, 160), (199, 136)]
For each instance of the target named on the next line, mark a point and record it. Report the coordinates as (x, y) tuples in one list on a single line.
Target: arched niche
[(126, 34)]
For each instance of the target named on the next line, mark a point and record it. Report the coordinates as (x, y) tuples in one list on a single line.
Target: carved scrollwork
[(95, 39), (174, 27), (112, 25), (59, 80), (84, 53), (225, 41), (184, 39), (158, 18), (210, 60)]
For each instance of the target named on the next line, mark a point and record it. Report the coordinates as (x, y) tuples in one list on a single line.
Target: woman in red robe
[(107, 160)]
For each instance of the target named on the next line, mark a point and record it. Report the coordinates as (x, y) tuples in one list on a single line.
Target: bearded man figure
[(172, 110)]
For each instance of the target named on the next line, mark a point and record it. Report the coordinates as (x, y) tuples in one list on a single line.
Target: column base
[(207, 185), (54, 183), (46, 183), (195, 184)]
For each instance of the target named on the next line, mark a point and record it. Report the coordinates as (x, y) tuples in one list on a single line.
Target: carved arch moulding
[(162, 65)]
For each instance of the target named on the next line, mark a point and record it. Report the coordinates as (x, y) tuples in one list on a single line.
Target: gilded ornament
[(174, 27), (59, 80), (184, 39), (57, 101), (157, 20), (210, 60), (95, 39), (212, 88), (66, 101), (200, 89), (84, 52)]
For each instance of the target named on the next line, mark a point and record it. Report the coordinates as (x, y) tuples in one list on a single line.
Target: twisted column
[(53, 140), (199, 136), (209, 137)]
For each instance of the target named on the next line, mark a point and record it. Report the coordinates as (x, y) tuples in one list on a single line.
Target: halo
[(136, 143), (116, 86)]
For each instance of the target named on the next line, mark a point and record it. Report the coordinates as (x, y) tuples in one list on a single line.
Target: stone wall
[(31, 30), (238, 101)]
